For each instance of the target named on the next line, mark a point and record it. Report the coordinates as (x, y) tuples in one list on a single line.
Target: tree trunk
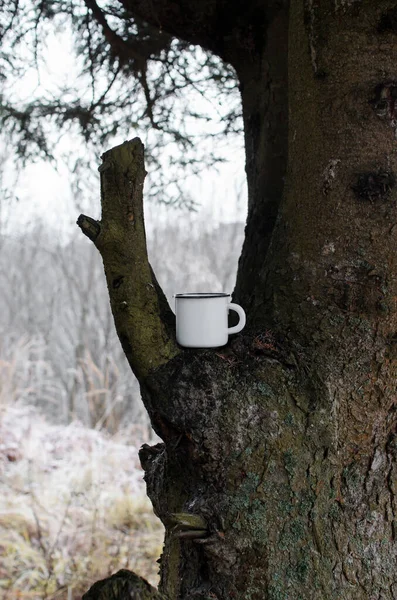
[(277, 476)]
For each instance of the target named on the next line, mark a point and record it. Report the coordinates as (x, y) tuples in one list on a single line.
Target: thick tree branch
[(143, 319), (192, 21), (226, 27), (264, 94)]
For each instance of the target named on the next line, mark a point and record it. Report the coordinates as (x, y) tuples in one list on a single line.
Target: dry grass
[(73, 508), (25, 375)]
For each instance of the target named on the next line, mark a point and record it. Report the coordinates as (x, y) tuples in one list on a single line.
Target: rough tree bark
[(277, 476)]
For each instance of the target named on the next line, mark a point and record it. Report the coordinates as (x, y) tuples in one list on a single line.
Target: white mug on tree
[(202, 319)]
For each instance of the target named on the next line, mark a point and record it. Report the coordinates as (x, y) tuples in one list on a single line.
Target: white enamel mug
[(201, 319)]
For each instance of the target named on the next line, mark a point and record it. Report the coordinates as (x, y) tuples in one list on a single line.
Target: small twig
[(187, 521)]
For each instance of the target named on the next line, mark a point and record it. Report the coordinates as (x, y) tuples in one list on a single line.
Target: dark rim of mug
[(202, 295)]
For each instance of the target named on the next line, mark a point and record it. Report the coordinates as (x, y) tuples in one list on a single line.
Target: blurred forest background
[(72, 500), (58, 347)]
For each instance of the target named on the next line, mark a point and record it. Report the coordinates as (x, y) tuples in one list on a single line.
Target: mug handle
[(241, 324)]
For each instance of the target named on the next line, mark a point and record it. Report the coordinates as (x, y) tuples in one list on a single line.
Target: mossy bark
[(282, 447), (143, 319)]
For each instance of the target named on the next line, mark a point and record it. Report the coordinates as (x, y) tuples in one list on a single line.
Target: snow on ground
[(73, 507)]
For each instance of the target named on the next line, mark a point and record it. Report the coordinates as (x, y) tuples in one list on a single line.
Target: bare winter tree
[(276, 477)]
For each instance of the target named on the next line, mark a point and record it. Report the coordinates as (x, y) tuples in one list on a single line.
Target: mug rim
[(198, 295)]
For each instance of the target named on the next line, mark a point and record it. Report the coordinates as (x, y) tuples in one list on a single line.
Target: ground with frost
[(73, 507)]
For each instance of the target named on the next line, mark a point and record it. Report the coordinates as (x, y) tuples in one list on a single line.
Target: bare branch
[(133, 50), (119, 46), (144, 322)]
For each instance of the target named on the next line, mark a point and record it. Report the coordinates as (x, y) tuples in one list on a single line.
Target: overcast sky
[(46, 193)]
